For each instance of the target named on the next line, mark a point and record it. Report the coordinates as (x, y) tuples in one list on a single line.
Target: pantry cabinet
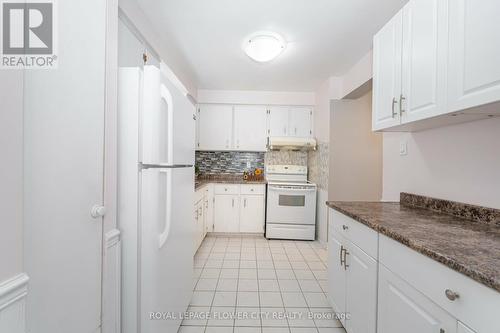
[(436, 63), (250, 128), (474, 74)]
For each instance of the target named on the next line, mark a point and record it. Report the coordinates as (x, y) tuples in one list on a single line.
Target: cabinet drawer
[(198, 195), (359, 234), (253, 189), (227, 189), (477, 305)]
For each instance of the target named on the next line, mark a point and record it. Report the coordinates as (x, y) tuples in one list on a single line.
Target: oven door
[(291, 204)]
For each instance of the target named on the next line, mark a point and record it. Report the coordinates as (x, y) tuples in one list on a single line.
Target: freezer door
[(180, 115), (167, 232), (153, 120)]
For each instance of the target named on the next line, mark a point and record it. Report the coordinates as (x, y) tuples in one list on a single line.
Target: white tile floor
[(250, 285)]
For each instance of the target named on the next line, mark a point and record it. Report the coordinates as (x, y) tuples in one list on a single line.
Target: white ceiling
[(326, 37)]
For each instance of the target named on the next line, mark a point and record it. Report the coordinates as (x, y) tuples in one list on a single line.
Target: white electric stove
[(291, 203)]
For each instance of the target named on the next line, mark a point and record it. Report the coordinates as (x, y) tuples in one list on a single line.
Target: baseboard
[(13, 304), (111, 307)]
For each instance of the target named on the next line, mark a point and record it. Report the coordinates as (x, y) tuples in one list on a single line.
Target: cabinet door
[(278, 121), (300, 122), (250, 128), (336, 275), (252, 213), (474, 72), (215, 127), (209, 209), (226, 217), (361, 286), (387, 47), (401, 308), (425, 46)]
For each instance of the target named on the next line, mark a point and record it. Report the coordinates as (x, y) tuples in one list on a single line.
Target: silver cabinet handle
[(344, 227), (401, 100), (340, 253), (233, 202), (451, 295), (345, 259), (284, 129), (295, 130), (394, 102)]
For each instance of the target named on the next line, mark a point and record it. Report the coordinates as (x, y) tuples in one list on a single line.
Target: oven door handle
[(287, 189)]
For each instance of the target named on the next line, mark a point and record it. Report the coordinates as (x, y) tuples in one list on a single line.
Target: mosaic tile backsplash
[(210, 162), (318, 165), (235, 162)]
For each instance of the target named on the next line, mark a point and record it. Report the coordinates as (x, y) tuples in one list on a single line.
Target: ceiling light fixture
[(264, 46)]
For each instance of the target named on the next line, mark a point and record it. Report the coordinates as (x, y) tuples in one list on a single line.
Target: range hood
[(290, 143)]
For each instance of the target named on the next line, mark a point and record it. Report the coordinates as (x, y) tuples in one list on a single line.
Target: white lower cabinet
[(352, 283), (386, 287), (226, 213), (252, 210), (361, 286), (336, 275), (203, 214), (401, 308), (239, 208), (199, 233)]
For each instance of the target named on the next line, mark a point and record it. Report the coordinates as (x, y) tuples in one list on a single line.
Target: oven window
[(292, 200)]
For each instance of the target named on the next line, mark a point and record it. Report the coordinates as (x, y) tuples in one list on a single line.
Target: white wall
[(355, 152), (11, 173), (255, 97), (165, 48), (322, 113), (460, 163)]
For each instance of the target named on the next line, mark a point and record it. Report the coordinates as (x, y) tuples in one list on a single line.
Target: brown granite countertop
[(224, 179), (468, 245)]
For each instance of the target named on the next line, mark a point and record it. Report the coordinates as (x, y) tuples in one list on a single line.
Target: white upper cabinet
[(278, 121), (474, 73), (247, 127), (387, 73), (215, 127), (434, 58), (250, 131), (425, 40), (300, 122)]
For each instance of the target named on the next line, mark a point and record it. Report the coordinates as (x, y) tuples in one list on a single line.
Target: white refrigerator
[(155, 197)]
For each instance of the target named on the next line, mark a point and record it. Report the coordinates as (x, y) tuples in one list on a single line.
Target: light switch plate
[(403, 148)]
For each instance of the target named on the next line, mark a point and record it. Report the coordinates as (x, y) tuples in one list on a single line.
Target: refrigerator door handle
[(162, 238), (167, 98)]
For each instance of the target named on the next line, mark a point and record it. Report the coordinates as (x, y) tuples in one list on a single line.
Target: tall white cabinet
[(436, 59)]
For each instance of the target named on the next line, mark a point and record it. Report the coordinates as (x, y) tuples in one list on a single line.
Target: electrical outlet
[(249, 165), (403, 148)]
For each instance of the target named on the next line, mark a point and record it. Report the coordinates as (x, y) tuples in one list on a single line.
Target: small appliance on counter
[(291, 203)]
